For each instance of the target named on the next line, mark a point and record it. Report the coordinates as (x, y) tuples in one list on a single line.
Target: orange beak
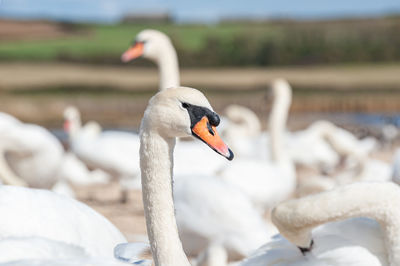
[(209, 135), (133, 52), (66, 126)]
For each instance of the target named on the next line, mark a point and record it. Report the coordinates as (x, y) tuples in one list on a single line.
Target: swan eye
[(185, 105)]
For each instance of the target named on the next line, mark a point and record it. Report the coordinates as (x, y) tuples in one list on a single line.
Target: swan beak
[(66, 126), (209, 135), (133, 52)]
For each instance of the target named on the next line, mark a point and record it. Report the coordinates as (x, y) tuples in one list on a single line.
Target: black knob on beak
[(214, 119)]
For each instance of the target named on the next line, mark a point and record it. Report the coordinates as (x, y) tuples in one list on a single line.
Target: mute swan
[(356, 241), (157, 47), (266, 182), (176, 112), (114, 152)]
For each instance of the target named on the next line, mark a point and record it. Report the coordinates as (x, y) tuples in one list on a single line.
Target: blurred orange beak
[(209, 135), (133, 52), (66, 126)]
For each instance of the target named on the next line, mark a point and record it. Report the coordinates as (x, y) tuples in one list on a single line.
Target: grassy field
[(97, 40), (230, 44)]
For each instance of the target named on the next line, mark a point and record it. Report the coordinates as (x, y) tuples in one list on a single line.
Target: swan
[(157, 47), (176, 112), (370, 237), (114, 152), (266, 182), (25, 148)]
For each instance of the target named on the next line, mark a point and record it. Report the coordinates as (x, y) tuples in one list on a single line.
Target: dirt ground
[(39, 75), (116, 96)]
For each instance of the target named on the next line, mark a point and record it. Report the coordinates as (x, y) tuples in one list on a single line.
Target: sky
[(206, 11)]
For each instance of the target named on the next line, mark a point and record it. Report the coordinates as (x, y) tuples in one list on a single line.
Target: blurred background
[(341, 58)]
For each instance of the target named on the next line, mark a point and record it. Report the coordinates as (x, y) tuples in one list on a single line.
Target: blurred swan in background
[(157, 47), (210, 213), (267, 182), (25, 149), (325, 142), (372, 240), (114, 152)]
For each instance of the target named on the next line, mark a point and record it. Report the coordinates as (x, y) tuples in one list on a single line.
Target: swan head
[(282, 88), (283, 216), (148, 43), (72, 118), (182, 112)]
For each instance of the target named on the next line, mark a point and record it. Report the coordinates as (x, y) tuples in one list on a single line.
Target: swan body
[(56, 218), (200, 162), (41, 252), (75, 171), (371, 237), (32, 248), (210, 212)]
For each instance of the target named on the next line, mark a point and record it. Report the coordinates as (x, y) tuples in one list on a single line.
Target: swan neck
[(277, 125), (168, 68), (296, 218), (156, 162), (7, 175), (75, 127)]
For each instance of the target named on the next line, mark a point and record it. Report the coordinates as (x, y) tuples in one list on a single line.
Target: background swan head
[(182, 112), (281, 89), (72, 119), (149, 44)]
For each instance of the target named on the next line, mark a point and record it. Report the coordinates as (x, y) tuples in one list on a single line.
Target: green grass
[(231, 44), (112, 40)]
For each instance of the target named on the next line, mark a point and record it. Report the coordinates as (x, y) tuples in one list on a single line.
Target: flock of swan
[(201, 207)]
